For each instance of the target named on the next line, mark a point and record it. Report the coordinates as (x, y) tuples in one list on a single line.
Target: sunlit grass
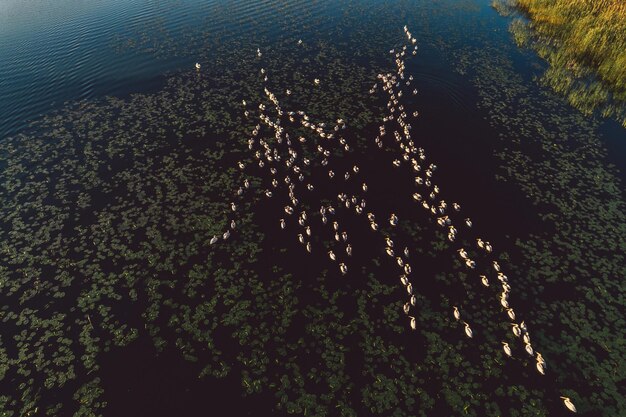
[(584, 42)]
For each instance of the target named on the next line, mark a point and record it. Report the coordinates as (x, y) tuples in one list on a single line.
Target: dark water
[(481, 113)]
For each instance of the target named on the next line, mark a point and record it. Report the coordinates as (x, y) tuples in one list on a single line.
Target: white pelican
[(409, 289), (529, 349), (506, 348), (468, 330), (480, 243), (198, 66), (374, 226), (406, 252), (406, 308), (343, 268), (516, 330), (389, 242), (393, 220), (233, 206), (413, 323), (316, 81), (407, 269), (568, 403), (413, 300), (470, 264), (526, 338), (488, 247), (300, 238), (540, 368), (213, 240), (349, 250), (331, 255), (258, 52), (404, 280), (308, 230), (456, 312), (468, 222), (484, 280), (364, 187), (456, 207), (226, 235), (496, 266), (233, 224), (511, 313)]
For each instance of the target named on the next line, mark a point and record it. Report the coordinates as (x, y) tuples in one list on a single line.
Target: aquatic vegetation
[(112, 206), (584, 44)]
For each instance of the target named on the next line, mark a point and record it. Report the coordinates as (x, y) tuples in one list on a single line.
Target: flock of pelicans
[(283, 157)]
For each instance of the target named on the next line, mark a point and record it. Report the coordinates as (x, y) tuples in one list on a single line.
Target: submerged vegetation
[(584, 43), (111, 207)]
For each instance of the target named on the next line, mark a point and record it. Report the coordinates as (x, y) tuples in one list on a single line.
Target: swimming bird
[(213, 240), (233, 224), (484, 280), (349, 250), (568, 403), (331, 255), (496, 266), (308, 247), (529, 349), (226, 235), (506, 348), (406, 308), (413, 323), (468, 330), (393, 220), (409, 289), (456, 312), (198, 66), (300, 238), (316, 81), (468, 222), (510, 313), (540, 368), (343, 268), (413, 300), (516, 330)]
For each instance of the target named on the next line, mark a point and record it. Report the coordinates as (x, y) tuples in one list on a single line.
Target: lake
[(120, 163)]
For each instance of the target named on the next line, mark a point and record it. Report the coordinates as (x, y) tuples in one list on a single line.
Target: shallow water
[(122, 196)]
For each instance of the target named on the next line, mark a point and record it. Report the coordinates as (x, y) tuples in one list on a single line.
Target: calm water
[(52, 53)]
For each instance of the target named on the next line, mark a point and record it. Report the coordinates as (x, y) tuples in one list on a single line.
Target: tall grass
[(584, 42)]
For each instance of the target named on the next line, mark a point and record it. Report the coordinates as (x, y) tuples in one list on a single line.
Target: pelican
[(456, 207), (406, 252), (522, 326), (413, 323), (468, 330), (406, 308), (233, 206), (233, 225), (258, 52), (511, 313), (496, 266), (374, 226), (505, 304), (268, 193), (343, 268), (529, 349), (526, 338), (316, 81), (198, 66), (540, 359), (462, 252), (389, 252), (364, 187), (488, 247), (349, 250), (484, 280), (389, 242), (468, 222), (213, 240), (470, 264), (516, 330), (409, 289), (457, 314), (540, 368), (413, 300), (331, 255), (246, 183), (299, 41), (300, 238), (506, 348), (393, 220), (417, 197), (480, 243), (568, 403), (308, 230), (308, 247), (404, 280), (344, 236), (226, 235), (335, 226)]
